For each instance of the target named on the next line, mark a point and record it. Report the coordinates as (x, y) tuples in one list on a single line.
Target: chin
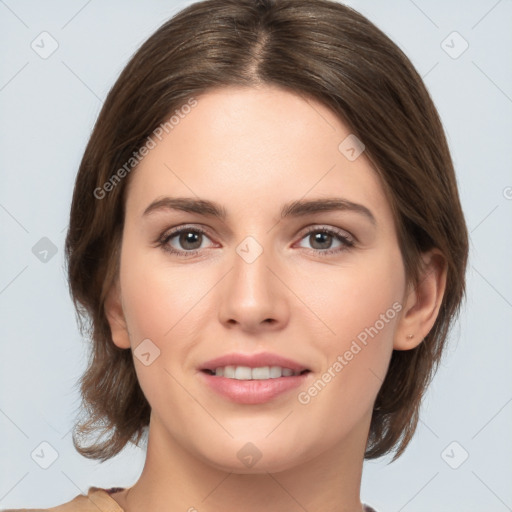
[(248, 457)]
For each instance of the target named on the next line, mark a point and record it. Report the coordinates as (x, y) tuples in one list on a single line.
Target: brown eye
[(322, 240), (184, 241), (188, 240)]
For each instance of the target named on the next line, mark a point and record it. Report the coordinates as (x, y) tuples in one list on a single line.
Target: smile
[(253, 390), (259, 373)]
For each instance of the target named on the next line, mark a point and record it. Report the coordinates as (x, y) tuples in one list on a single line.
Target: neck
[(174, 478)]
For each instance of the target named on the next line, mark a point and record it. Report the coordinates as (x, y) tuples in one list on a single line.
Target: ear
[(114, 312), (422, 302)]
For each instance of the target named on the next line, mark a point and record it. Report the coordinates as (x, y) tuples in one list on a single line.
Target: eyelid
[(330, 229), (176, 230), (347, 239), (305, 231)]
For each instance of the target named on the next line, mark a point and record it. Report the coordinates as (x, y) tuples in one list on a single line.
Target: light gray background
[(47, 110)]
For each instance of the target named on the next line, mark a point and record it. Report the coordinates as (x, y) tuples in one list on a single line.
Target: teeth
[(243, 373), (260, 373)]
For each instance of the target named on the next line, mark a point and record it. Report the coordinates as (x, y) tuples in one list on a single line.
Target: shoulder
[(96, 499)]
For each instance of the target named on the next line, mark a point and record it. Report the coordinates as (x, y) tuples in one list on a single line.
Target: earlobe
[(422, 302), (115, 316)]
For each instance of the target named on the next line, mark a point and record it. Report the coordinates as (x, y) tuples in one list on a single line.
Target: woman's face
[(322, 287)]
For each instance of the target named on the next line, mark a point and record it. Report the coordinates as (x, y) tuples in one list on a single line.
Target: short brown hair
[(322, 50)]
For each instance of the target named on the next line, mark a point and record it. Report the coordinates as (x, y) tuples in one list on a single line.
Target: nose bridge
[(251, 277), (252, 293)]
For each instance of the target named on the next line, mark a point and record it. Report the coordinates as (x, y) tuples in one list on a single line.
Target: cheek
[(352, 298), (360, 306), (156, 297), (157, 302)]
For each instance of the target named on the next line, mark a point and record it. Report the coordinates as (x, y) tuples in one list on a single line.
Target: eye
[(322, 239), (189, 241)]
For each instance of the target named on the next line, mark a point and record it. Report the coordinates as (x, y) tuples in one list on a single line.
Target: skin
[(252, 150)]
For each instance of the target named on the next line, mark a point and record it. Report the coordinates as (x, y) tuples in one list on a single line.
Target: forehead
[(247, 146)]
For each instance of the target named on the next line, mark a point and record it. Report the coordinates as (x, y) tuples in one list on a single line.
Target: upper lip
[(253, 361)]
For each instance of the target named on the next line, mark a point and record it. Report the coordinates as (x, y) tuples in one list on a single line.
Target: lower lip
[(252, 391)]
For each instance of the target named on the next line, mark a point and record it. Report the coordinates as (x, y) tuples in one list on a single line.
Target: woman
[(267, 239)]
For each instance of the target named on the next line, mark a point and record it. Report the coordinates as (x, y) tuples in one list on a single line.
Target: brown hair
[(322, 50)]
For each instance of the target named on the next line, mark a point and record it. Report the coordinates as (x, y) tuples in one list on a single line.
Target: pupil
[(190, 238), (320, 238)]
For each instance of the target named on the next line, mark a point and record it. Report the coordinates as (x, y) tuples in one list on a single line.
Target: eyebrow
[(297, 208)]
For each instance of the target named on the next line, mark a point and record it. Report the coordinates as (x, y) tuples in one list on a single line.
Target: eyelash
[(163, 241)]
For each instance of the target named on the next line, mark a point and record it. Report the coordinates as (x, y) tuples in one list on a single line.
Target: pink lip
[(252, 391), (253, 361)]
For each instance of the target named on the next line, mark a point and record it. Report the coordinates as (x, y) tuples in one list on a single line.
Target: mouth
[(256, 366), (252, 386), (257, 373), (253, 378)]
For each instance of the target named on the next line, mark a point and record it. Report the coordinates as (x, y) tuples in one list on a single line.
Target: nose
[(253, 296)]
